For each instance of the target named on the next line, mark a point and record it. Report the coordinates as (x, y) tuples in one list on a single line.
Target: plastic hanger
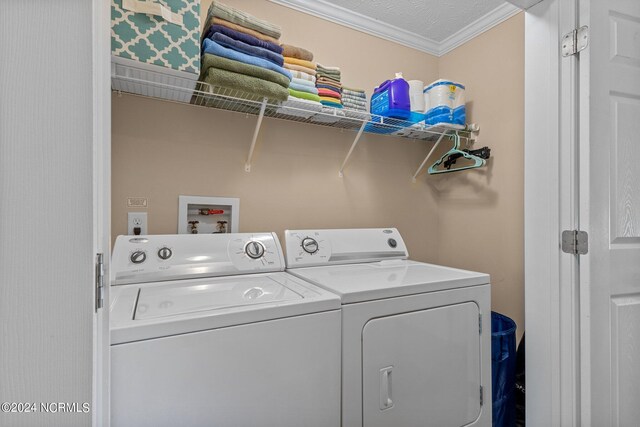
[(483, 153), (451, 156)]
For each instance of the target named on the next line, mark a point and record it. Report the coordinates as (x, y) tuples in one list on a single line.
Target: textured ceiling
[(433, 19)]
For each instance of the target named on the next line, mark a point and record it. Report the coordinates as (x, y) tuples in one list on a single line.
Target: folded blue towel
[(214, 48), (333, 88), (248, 49), (303, 88), (304, 82), (243, 37)]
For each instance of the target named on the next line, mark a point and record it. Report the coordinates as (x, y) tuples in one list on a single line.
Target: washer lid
[(154, 310), (170, 300), (387, 279)]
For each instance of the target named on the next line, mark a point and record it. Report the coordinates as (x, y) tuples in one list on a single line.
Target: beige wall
[(481, 212), (162, 150), (472, 220), (365, 61)]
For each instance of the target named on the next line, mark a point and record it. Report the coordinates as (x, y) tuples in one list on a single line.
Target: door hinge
[(575, 242), (575, 41), (480, 324), (99, 281), (481, 395)]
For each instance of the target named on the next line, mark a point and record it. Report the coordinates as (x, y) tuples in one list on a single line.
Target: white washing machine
[(208, 330), (416, 337)]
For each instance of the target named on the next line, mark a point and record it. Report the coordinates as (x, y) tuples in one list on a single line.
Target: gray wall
[(46, 227)]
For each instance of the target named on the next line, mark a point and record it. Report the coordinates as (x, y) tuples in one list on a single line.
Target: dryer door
[(422, 368)]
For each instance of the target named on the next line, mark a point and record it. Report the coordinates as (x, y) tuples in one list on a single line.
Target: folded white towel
[(298, 107)]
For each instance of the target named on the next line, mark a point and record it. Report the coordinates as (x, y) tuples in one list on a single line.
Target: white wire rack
[(184, 90)]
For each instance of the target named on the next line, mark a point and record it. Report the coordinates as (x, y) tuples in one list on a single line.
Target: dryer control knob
[(138, 257), (254, 250), (164, 253), (310, 245)]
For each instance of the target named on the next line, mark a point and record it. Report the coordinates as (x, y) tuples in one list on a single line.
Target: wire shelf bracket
[(353, 146), (247, 165), (424, 162)]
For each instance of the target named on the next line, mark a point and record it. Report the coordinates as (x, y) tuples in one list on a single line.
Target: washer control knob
[(392, 243), (164, 253), (138, 257), (254, 249), (310, 245)]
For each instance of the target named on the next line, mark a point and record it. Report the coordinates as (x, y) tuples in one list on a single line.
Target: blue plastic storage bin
[(503, 369)]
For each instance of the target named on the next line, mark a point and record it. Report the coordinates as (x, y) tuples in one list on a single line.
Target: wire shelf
[(204, 95), (154, 82)]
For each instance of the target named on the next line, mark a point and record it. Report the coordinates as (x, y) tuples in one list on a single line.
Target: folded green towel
[(330, 69), (239, 17), (251, 86), (325, 71), (331, 76), (304, 95), (215, 61)]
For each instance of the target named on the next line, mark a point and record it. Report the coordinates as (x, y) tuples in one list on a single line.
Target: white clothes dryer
[(416, 337), (208, 330)]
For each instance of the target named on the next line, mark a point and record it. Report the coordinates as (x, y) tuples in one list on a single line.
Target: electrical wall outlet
[(137, 223)]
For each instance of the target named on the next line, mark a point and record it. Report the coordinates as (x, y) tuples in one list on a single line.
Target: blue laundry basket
[(503, 369)]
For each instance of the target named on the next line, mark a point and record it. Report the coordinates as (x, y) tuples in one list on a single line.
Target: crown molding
[(357, 21), (348, 18), (477, 27)]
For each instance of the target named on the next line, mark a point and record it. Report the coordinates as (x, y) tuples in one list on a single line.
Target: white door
[(54, 177), (422, 368), (101, 97), (610, 212)]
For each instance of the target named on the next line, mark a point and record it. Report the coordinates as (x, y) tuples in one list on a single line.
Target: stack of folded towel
[(300, 63), (241, 52), (354, 99), (329, 86)]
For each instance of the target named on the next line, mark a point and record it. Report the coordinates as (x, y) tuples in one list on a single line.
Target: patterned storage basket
[(159, 32), (156, 41)]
